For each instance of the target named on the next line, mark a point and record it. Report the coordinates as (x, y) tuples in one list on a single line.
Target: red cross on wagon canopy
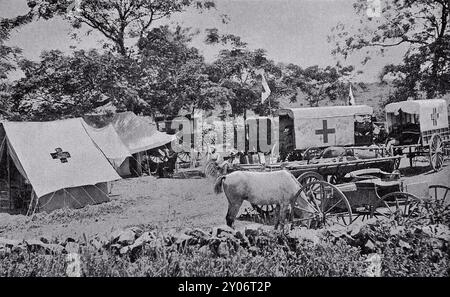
[(325, 131), (435, 116)]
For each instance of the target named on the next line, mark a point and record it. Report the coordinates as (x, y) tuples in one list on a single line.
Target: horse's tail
[(218, 184)]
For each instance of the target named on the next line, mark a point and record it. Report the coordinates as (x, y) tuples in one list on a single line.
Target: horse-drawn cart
[(333, 170), (418, 129), (369, 193)]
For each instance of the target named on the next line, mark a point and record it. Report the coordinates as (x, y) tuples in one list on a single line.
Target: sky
[(291, 31)]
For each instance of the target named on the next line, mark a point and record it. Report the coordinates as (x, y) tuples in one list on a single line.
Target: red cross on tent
[(325, 131), (59, 154), (435, 116)]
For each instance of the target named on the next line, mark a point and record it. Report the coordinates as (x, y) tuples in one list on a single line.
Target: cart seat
[(347, 187), (378, 183)]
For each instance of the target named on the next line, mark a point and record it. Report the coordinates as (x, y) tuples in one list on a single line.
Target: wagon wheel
[(323, 204), (156, 159), (335, 178), (311, 153), (440, 194), (400, 206), (184, 157), (395, 164), (265, 211), (211, 169), (436, 152), (308, 177), (420, 156)]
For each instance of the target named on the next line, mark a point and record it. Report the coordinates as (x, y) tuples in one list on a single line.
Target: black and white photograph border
[(249, 139)]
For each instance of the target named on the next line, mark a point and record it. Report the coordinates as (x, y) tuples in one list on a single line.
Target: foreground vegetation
[(404, 251)]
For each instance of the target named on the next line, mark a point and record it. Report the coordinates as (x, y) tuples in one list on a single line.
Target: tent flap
[(139, 134)]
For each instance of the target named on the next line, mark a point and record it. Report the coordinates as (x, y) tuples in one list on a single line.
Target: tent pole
[(148, 165), (9, 178)]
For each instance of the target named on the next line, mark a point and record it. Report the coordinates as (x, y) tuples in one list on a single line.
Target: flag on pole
[(351, 99), (266, 93)]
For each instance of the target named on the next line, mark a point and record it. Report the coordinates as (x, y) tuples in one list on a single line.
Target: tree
[(62, 86), (175, 74), (237, 68), (329, 83), (420, 25), (8, 56), (117, 20)]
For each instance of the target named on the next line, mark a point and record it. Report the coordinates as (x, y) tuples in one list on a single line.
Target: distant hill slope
[(372, 94)]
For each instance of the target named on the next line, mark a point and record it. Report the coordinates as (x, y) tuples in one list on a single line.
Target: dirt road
[(150, 202)]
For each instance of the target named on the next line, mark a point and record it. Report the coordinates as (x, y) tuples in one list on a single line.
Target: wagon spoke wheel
[(436, 152), (311, 153), (308, 177), (323, 204), (265, 211), (211, 170), (184, 157), (395, 164), (440, 194), (155, 159), (400, 206)]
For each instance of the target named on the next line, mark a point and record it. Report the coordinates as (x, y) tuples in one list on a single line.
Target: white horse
[(261, 188)]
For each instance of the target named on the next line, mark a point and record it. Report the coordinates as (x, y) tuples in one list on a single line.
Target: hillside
[(372, 94)]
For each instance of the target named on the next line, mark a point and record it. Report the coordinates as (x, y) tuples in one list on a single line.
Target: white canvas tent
[(59, 161), (109, 142)]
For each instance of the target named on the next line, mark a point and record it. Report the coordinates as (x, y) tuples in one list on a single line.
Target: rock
[(355, 228), (73, 261), (404, 244), (144, 238), (4, 251), (44, 239), (54, 248), (35, 245), (374, 268), (397, 230), (243, 239), (124, 250), (222, 229), (223, 250), (115, 248), (442, 232), (10, 243), (253, 250), (137, 231), (114, 236), (252, 230), (205, 251), (201, 236), (305, 234), (184, 240), (437, 244), (72, 247), (102, 239), (369, 247), (96, 244), (70, 239), (126, 237)]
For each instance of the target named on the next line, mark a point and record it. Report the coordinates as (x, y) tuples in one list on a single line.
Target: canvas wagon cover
[(432, 113), (325, 126), (139, 134), (57, 155)]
